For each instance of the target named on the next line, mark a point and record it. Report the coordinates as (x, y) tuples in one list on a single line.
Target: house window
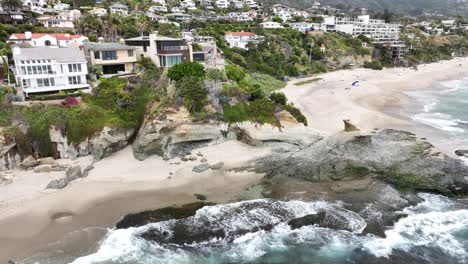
[(74, 67), (109, 55), (130, 53), (74, 80), (169, 61), (97, 55), (46, 82)]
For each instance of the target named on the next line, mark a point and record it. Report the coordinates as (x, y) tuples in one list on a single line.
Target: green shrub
[(262, 111), (296, 113), (193, 91), (279, 98), (235, 114), (235, 73), (186, 69)]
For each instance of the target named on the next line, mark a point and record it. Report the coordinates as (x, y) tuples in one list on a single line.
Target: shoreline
[(117, 186), (34, 219), (375, 102)]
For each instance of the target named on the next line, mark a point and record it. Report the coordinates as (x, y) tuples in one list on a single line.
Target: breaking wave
[(258, 232)]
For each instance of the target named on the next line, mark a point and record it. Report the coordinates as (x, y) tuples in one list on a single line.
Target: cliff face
[(107, 141), (100, 145), (174, 133)]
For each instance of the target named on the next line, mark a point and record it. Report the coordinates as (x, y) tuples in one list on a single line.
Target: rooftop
[(241, 34), (46, 53), (59, 36), (158, 37), (106, 46)]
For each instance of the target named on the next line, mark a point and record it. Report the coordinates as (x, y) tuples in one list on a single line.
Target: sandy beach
[(330, 100), (33, 219)]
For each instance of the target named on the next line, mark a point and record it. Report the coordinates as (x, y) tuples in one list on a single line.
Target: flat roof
[(106, 46), (70, 54)]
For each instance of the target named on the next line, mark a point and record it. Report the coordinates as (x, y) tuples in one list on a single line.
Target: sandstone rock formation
[(104, 143), (174, 133), (396, 157)]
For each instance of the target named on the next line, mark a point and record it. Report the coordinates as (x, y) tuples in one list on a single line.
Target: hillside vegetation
[(414, 7)]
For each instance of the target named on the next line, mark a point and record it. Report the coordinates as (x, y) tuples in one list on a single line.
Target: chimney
[(67, 35), (27, 35), (100, 39)]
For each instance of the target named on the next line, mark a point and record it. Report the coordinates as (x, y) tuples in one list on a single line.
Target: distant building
[(119, 9), (47, 39), (16, 18), (56, 22), (115, 58), (167, 52), (61, 6), (241, 39), (157, 9), (49, 70), (98, 12), (271, 24), (378, 30), (223, 3)]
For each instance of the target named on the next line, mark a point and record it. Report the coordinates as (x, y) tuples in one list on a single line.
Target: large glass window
[(130, 53), (169, 61), (97, 55), (109, 55)]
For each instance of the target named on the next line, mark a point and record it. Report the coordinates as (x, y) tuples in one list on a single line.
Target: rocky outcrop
[(461, 152), (102, 144), (174, 133), (396, 157), (9, 155), (349, 127), (256, 135)]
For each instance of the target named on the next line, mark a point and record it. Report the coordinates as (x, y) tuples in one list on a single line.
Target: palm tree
[(142, 22), (111, 23)]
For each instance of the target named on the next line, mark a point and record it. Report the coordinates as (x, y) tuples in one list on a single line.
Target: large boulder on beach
[(29, 162), (172, 133), (57, 184), (461, 152), (74, 173), (396, 157), (201, 168)]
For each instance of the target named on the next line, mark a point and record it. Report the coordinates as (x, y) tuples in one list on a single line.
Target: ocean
[(257, 231), (442, 111)]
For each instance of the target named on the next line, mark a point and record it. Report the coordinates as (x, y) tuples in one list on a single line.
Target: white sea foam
[(431, 223), (428, 229), (440, 121)]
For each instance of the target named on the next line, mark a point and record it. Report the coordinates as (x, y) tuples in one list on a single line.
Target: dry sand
[(329, 101), (32, 218)]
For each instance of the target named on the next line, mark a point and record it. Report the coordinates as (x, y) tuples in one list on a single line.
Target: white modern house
[(49, 70), (223, 3), (61, 7), (241, 39), (98, 12), (119, 9), (47, 39), (271, 24), (378, 30), (157, 8)]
